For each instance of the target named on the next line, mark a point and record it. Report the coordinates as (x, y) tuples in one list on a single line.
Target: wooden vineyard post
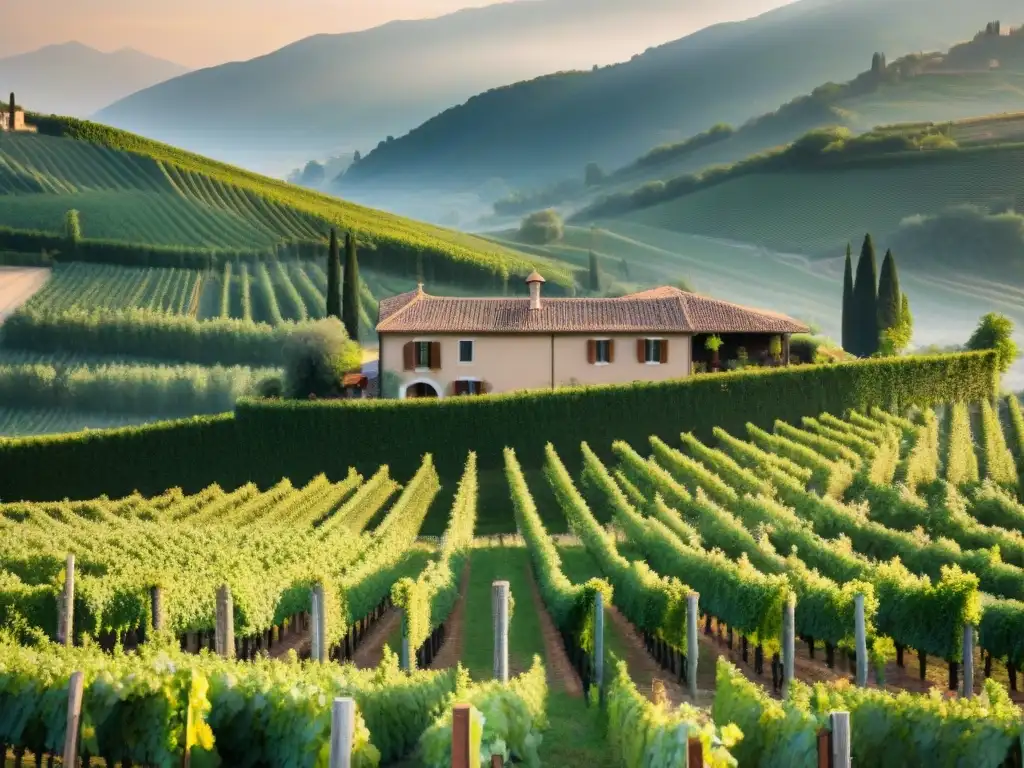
[(499, 606), (824, 748), (841, 756), (789, 641), (460, 736), (66, 610), (224, 639), (75, 688), (156, 601), (599, 641), (497, 762), (692, 620), (318, 625), (862, 643), (968, 661), (694, 753), (343, 728)]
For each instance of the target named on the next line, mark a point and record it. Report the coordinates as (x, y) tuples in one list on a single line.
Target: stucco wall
[(571, 360), (516, 362)]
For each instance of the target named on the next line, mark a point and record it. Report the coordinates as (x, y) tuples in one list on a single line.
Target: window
[(422, 354), (465, 351), (468, 387), (603, 351), (655, 351)]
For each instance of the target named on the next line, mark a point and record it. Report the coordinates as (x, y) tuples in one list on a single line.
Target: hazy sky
[(198, 32)]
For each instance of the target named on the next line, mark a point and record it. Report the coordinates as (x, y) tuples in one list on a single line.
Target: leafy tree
[(334, 278), (889, 295), (595, 273), (541, 228), (317, 357), (356, 157), (896, 338), (350, 304), (849, 307), (995, 331), (73, 226), (865, 300), (593, 175)]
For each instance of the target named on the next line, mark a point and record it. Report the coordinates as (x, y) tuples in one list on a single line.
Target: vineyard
[(133, 190), (822, 208), (725, 596)]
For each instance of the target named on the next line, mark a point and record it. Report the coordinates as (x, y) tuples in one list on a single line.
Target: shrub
[(318, 355), (541, 228)]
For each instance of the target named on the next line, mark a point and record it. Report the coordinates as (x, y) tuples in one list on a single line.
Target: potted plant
[(713, 344)]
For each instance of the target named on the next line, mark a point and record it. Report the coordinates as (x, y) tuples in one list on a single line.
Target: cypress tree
[(334, 278), (350, 304), (865, 300), (849, 308), (889, 296), (13, 110), (595, 273)]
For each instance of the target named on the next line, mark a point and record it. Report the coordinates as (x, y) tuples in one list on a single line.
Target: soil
[(17, 285), (560, 671), (371, 647), (451, 650)]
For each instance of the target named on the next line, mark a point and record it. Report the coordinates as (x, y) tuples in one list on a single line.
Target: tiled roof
[(662, 310)]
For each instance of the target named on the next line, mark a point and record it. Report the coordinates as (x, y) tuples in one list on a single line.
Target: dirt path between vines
[(371, 648), (451, 650), (560, 671), (18, 285), (301, 642), (644, 670)]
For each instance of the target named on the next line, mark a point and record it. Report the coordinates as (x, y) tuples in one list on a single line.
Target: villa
[(441, 346)]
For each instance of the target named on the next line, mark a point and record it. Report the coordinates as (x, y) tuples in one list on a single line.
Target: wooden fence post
[(343, 728), (692, 648), (841, 741), (862, 642), (499, 605), (156, 601), (789, 641), (75, 688), (968, 661), (599, 641), (224, 637), (66, 610), (460, 736), (694, 753)]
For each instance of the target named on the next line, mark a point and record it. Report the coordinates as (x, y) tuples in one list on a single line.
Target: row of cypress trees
[(343, 295), (872, 303)]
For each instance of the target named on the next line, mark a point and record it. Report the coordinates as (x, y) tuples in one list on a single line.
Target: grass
[(133, 189), (490, 564)]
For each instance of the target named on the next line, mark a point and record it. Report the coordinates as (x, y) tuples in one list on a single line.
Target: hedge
[(270, 439)]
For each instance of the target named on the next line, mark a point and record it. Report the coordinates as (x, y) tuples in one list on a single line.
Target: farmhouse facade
[(19, 120), (442, 346)]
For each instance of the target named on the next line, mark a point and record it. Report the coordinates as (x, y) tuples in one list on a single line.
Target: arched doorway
[(420, 389)]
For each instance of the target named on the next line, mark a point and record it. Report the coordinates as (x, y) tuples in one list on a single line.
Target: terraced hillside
[(133, 190)]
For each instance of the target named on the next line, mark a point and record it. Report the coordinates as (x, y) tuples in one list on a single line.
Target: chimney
[(535, 281)]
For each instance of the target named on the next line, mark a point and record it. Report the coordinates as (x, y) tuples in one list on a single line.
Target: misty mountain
[(76, 80), (537, 131), (333, 93)]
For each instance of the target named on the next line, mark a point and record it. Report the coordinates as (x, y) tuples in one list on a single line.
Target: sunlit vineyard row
[(915, 517)]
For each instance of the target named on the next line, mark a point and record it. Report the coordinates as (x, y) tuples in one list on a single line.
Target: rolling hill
[(139, 192), (334, 93), (541, 130), (74, 79), (980, 77)]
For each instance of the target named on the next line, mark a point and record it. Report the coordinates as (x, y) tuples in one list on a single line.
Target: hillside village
[(730, 454)]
